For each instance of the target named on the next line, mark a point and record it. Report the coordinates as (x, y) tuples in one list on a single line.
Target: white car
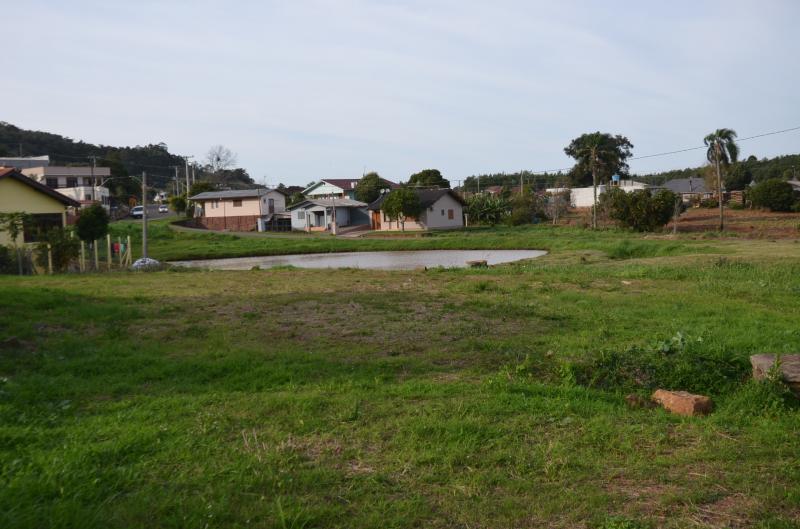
[(163, 208), (137, 212)]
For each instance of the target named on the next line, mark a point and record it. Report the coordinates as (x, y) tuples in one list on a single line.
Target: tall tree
[(369, 187), (722, 151), (92, 223), (401, 204), (428, 178), (602, 155), (220, 157)]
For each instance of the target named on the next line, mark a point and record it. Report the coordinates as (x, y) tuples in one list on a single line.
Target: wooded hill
[(155, 159)]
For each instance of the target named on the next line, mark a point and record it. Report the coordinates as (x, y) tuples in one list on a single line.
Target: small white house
[(441, 209), (320, 214)]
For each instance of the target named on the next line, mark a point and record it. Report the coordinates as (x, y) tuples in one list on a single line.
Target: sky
[(305, 90)]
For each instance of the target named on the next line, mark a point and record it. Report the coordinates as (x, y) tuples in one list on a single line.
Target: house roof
[(686, 185), (427, 198), (14, 174), (233, 193), (346, 183), (329, 202)]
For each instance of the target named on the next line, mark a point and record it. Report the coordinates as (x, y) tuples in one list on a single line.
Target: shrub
[(639, 209), (677, 363), (709, 203), (178, 204), (92, 223), (64, 249), (8, 262), (773, 194), (488, 209)]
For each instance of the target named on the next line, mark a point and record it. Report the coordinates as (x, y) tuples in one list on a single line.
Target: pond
[(402, 260)]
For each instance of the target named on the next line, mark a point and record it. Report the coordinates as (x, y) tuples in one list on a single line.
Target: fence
[(99, 256)]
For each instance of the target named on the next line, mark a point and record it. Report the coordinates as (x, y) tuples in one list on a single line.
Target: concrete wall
[(16, 196)]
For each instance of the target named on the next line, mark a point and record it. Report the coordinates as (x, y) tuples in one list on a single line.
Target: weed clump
[(677, 363)]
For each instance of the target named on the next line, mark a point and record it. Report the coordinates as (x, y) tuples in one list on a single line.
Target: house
[(239, 210), (441, 209), (24, 162), (690, 189), (319, 214), (46, 207), (583, 197), (338, 188), (81, 183)]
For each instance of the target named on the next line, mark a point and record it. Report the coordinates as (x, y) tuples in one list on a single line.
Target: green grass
[(169, 244), (441, 398)]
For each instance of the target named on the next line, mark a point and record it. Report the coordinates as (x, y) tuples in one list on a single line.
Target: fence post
[(49, 259), (83, 258), (108, 250), (96, 257), (129, 254), (119, 255)]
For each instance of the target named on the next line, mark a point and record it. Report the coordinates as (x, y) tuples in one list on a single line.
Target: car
[(137, 212), (163, 208)]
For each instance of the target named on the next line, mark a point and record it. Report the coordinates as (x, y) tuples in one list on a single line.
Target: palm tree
[(722, 150)]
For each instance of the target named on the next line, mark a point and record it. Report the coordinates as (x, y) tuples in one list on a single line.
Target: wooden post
[(129, 251), (119, 255), (96, 257), (49, 259), (83, 258), (108, 250)]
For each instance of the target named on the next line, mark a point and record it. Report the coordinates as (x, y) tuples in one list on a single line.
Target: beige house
[(238, 210), (441, 209), (82, 184), (46, 208)]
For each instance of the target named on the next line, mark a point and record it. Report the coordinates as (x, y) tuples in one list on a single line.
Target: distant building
[(339, 188), (690, 189), (441, 209), (240, 210), (25, 162), (46, 207), (583, 197), (81, 183)]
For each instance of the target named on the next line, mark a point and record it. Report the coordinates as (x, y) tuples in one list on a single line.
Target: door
[(376, 220), (271, 206)]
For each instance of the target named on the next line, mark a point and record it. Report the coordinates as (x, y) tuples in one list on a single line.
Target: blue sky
[(305, 90)]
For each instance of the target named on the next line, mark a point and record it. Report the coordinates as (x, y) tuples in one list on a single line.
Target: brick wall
[(243, 223)]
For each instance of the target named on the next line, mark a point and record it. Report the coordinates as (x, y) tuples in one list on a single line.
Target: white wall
[(325, 190), (437, 216)]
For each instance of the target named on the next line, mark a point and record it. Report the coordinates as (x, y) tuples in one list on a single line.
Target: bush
[(709, 203), (92, 223), (64, 249), (8, 261), (773, 194), (639, 209), (488, 209), (677, 363)]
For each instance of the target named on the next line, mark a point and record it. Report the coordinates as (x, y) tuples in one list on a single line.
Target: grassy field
[(442, 398)]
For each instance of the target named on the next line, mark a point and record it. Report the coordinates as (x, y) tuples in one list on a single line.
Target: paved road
[(152, 213)]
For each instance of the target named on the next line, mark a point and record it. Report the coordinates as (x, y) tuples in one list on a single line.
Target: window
[(442, 213), (215, 204), (450, 214), (52, 182), (87, 197), (72, 181), (37, 225), (237, 203), (87, 181), (301, 215), (272, 205)]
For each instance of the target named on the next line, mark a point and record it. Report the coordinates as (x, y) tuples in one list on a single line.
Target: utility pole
[(177, 190), (144, 214), (520, 183), (186, 159), (94, 184)]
